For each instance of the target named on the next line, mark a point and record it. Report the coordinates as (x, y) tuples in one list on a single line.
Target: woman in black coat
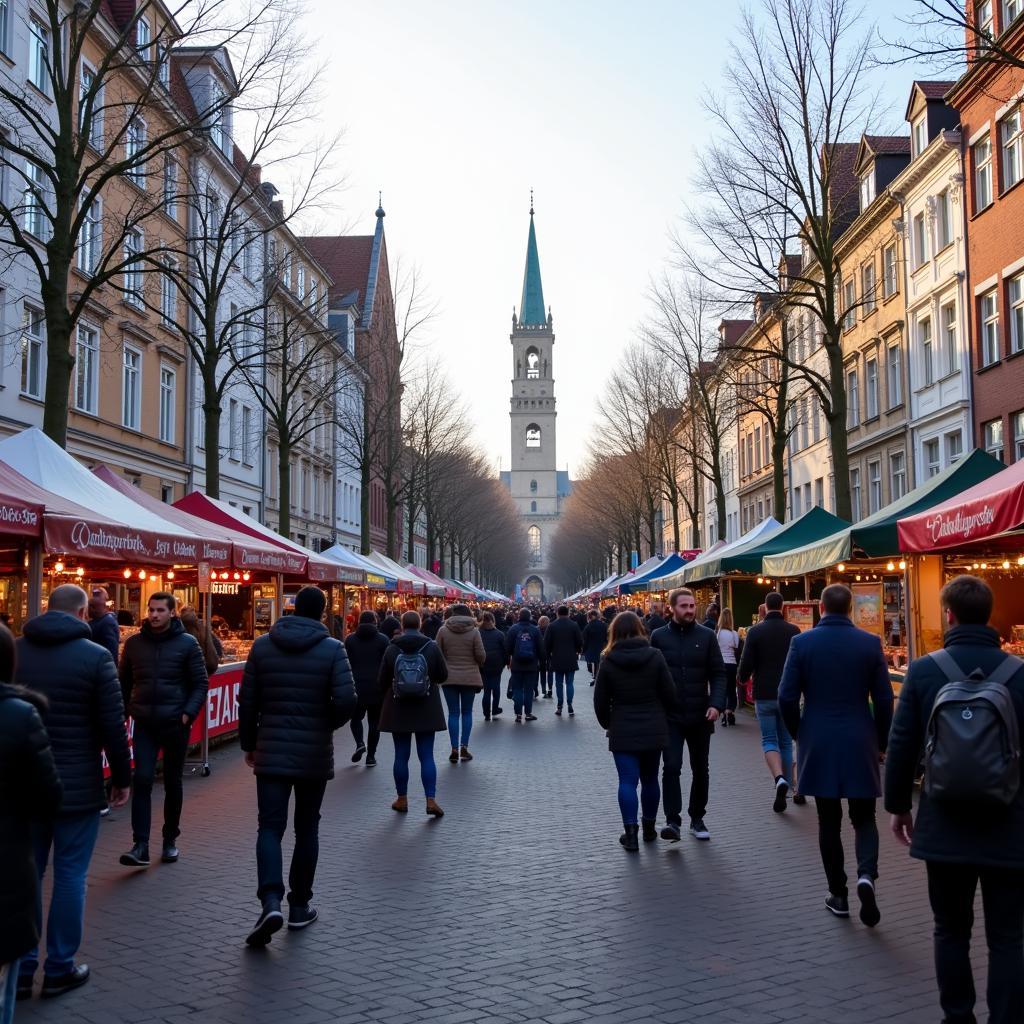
[(632, 698), (366, 647), (595, 636), (494, 664)]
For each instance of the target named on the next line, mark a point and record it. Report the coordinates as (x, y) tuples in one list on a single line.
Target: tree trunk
[(284, 488), (673, 504), (779, 474), (838, 441), (720, 525), (59, 361), (364, 507), (411, 542), (391, 530), (211, 435)]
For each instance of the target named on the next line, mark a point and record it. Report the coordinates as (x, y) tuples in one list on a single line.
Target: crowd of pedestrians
[(822, 698)]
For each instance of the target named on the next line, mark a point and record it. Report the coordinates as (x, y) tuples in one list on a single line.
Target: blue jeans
[(460, 711), (523, 684), (566, 678), (638, 769), (8, 991), (71, 838), (774, 734), (425, 752), (492, 693)]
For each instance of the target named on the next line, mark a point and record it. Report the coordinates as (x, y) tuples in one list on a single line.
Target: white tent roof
[(691, 571)]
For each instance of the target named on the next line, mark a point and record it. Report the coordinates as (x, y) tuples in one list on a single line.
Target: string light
[(79, 572), (142, 574), (903, 564), (127, 574), (170, 574), (245, 576), (237, 576), (1006, 563), (58, 566), (841, 567), (890, 566)]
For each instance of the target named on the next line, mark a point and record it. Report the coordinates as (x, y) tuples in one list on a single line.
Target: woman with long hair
[(463, 649), (632, 698), (211, 647), (729, 642)]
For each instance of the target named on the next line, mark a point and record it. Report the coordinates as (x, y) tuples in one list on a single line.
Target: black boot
[(630, 838), (650, 827), (137, 856)]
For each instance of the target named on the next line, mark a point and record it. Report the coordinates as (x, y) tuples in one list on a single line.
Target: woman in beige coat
[(463, 650)]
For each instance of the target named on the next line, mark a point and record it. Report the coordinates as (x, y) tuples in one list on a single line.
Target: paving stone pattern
[(518, 906)]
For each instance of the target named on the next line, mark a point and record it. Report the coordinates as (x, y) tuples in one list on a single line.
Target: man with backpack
[(964, 707), (523, 646)]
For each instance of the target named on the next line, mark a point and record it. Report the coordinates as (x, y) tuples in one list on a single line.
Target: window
[(894, 370), (170, 187), (819, 492), (3, 26), (169, 293), (943, 220), (218, 111), (932, 458), (167, 493), (131, 389), (87, 358), (1010, 137), (38, 54), (163, 60), (134, 144), (897, 475), (533, 536), (927, 356), (874, 486), (533, 436), (867, 190), (1011, 9), (868, 287), (871, 387), (168, 385), (849, 304), (919, 136), (983, 17), (948, 314), (993, 435), (954, 447), (36, 221), (1018, 436), (90, 122), (920, 240), (90, 238), (796, 502), (533, 486), (890, 283), (533, 506), (1017, 314), (853, 399), (143, 38), (989, 328), (249, 255), (235, 436), (300, 286), (214, 215), (33, 350), (133, 268), (855, 494), (757, 448), (982, 153)]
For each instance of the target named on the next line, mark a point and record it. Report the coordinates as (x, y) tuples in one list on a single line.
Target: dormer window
[(867, 190), (919, 136)]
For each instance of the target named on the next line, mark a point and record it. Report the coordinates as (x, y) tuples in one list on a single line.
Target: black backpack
[(412, 675), (972, 746)]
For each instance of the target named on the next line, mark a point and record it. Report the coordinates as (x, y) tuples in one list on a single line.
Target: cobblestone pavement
[(519, 905)]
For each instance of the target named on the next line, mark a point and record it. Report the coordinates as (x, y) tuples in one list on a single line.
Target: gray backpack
[(972, 748), (412, 675)]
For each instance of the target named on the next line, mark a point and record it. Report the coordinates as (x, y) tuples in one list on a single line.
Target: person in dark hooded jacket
[(30, 794), (84, 717), (296, 690), (366, 647), (595, 636), (406, 717), (633, 696), (389, 627), (494, 664)]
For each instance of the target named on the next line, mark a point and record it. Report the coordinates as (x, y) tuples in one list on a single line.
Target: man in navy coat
[(840, 672)]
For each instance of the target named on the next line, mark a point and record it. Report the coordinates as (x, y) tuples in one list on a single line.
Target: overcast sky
[(455, 109)]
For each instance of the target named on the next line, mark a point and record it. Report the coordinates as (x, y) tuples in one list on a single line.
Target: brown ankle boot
[(465, 754), (433, 808), (454, 756), (401, 804)]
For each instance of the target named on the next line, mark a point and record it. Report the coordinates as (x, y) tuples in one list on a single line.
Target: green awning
[(875, 537), (810, 527)]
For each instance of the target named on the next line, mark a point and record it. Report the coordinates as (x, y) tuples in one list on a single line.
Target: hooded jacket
[(493, 640), (85, 714), (106, 633), (463, 649), (595, 636), (163, 675), (563, 643), (29, 791), (413, 714), (296, 690), (365, 648), (695, 661), (633, 696)]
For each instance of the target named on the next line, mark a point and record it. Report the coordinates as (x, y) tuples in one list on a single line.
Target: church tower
[(534, 481)]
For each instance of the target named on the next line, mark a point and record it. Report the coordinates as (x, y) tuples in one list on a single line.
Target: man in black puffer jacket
[(695, 661), (297, 689), (164, 680), (84, 718), (365, 648)]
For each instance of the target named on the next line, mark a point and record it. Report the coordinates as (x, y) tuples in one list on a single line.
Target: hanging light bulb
[(79, 572), (976, 566), (841, 567), (890, 566), (245, 576), (760, 579), (170, 574), (142, 574), (58, 566), (1006, 563), (127, 574), (984, 565), (903, 564), (1020, 561), (858, 577), (237, 576)]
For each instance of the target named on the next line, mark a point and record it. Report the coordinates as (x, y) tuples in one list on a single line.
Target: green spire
[(531, 308)]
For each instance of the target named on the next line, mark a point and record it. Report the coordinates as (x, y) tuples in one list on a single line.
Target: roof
[(934, 90), (844, 198), (531, 306), (885, 144), (563, 484)]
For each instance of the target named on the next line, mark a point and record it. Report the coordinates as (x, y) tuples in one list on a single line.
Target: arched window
[(533, 506), (532, 363), (533, 486), (533, 534), (533, 436)]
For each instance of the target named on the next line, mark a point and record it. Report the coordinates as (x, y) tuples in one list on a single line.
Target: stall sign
[(230, 589), (19, 518), (868, 608), (801, 614), (204, 577), (269, 559)]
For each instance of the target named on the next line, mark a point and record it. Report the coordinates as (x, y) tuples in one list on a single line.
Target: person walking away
[(545, 676), (580, 618), (103, 622), (595, 636), (698, 673), (84, 718), (654, 620), (365, 647), (764, 657), (494, 664), (297, 688), (729, 645), (462, 647), (839, 673), (164, 681), (410, 680), (212, 648), (563, 645), (523, 649), (969, 828), (633, 696), (431, 625)]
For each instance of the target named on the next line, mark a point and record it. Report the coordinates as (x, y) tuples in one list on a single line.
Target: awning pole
[(35, 579)]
